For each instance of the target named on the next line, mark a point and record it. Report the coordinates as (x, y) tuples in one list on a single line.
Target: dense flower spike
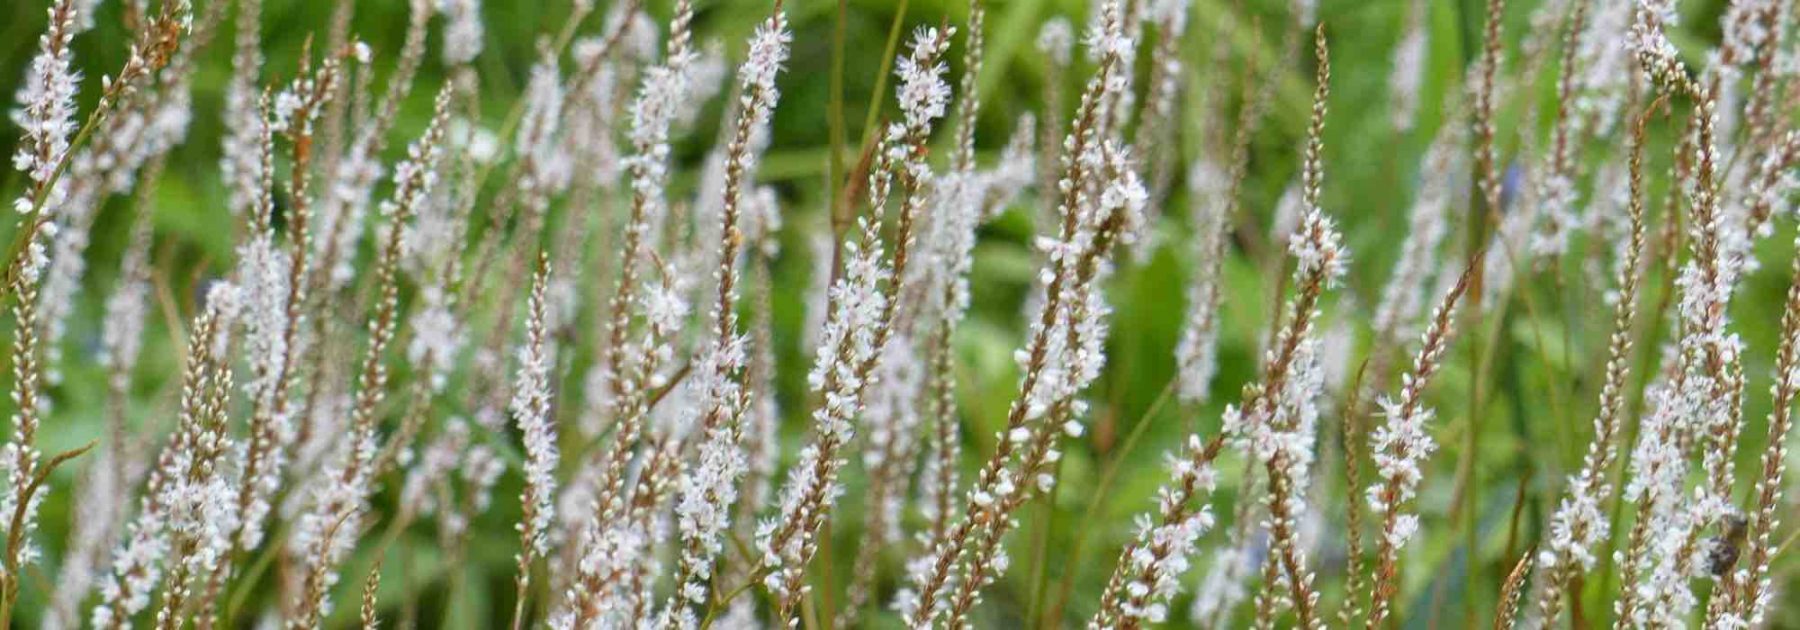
[(1409, 66), (1149, 570), (862, 306), (1445, 172), (530, 408), (46, 111), (20, 459), (1401, 445), (187, 515), (1275, 423), (1696, 407)]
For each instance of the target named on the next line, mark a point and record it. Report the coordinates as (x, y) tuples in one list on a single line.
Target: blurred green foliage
[(1537, 397)]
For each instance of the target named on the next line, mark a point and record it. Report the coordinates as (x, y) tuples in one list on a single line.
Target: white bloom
[(46, 113), (1408, 70), (1056, 39), (1445, 173), (858, 306), (538, 144), (530, 408), (922, 92), (463, 30), (1197, 353)]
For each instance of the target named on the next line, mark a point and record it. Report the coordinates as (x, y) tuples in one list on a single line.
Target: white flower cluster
[(436, 334), (530, 408), (592, 118), (264, 274), (1695, 401), (1605, 60), (708, 487), (1066, 355), (297, 99), (615, 553), (1663, 592), (463, 30), (666, 308), (894, 426), (439, 459), (1082, 310), (960, 200), (1056, 39), (708, 491), (1408, 72), (1016, 170), (1197, 353), (1658, 464), (1579, 525), (858, 304), (46, 112), (1222, 587), (1152, 566), (121, 332), (768, 54), (20, 458), (344, 206), (189, 506), (1401, 445), (540, 144), (923, 93), (240, 151), (949, 242), (658, 101), (1445, 173), (101, 168), (1650, 43), (326, 531), (1744, 33), (1286, 427), (1277, 423), (1317, 247)]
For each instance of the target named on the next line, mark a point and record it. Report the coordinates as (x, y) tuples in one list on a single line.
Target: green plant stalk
[(834, 163)]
